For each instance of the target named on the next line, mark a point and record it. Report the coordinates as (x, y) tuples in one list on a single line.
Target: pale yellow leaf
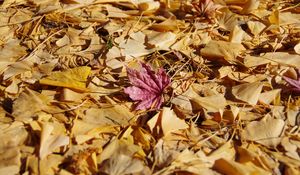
[(250, 6), (269, 97), (247, 78), (213, 103), (49, 142), (134, 47), (13, 88), (290, 148), (10, 159), (168, 25), (267, 131), (256, 27), (225, 151), (114, 12), (248, 92), (283, 58), (71, 96), (21, 109), (166, 121), (161, 40), (253, 61), (237, 35), (112, 115), (222, 51)]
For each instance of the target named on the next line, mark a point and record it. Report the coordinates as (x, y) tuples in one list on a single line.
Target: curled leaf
[(147, 86)]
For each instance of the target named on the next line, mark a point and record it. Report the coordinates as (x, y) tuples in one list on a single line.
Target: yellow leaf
[(74, 78), (225, 166)]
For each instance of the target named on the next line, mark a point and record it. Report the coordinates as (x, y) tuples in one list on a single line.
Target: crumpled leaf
[(295, 84), (147, 86), (73, 78)]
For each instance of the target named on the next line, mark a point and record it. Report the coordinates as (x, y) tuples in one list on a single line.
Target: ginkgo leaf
[(222, 51), (248, 92), (166, 122), (267, 131), (147, 86), (50, 142), (73, 78), (37, 101)]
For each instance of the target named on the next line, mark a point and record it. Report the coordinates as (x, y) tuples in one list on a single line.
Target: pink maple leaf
[(294, 83), (206, 7), (147, 86)]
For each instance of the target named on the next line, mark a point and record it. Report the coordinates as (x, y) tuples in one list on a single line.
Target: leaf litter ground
[(149, 87)]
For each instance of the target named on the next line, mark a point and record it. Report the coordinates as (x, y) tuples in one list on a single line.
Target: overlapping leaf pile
[(149, 87)]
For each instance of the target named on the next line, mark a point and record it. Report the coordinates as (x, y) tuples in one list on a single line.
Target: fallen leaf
[(134, 46), (73, 78), (110, 115), (225, 166), (267, 131), (148, 86), (117, 158), (270, 96), (23, 111), (166, 122), (49, 142), (222, 51), (250, 6), (248, 92)]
